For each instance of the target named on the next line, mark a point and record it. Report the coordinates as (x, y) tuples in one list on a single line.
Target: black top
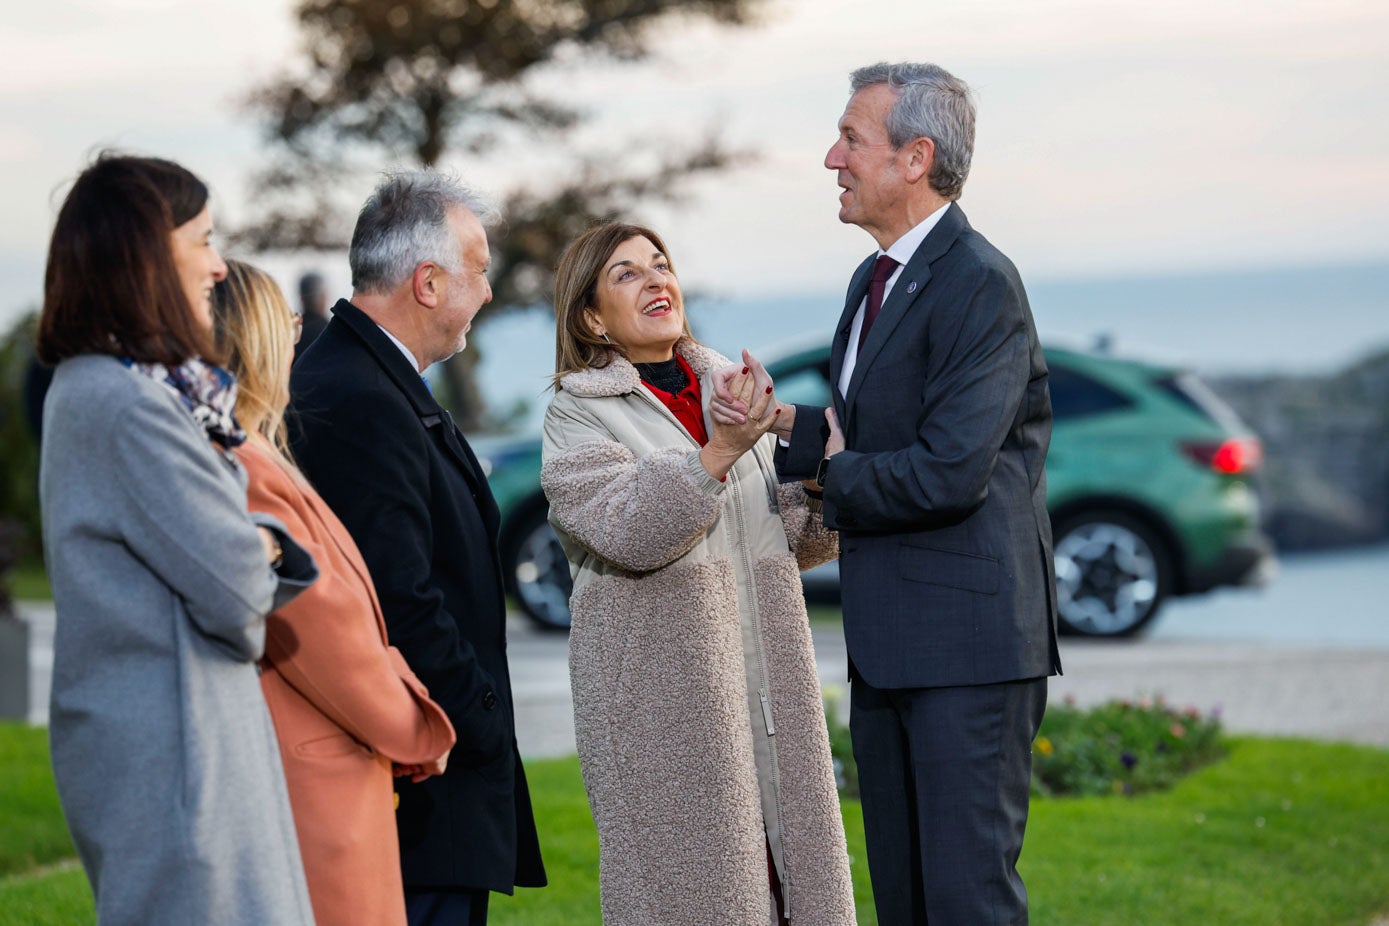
[(666, 375)]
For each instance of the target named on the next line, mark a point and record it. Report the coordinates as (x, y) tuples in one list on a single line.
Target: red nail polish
[(777, 412), (769, 390), (745, 370)]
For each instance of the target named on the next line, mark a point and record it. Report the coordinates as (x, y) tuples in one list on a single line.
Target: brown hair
[(111, 285), (576, 292), (253, 324)]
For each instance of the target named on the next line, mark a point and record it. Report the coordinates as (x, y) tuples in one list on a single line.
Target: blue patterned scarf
[(206, 390)]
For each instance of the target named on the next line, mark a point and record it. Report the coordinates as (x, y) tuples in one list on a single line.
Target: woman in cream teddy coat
[(697, 707)]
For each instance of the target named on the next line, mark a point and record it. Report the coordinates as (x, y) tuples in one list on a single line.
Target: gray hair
[(931, 103), (405, 222)]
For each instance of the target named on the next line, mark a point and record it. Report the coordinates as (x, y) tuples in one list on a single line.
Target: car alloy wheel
[(540, 573), (1112, 573)]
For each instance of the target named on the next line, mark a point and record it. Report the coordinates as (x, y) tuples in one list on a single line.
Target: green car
[(1149, 485)]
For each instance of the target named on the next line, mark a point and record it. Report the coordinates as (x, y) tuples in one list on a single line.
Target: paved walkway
[(1333, 693), (1317, 692)]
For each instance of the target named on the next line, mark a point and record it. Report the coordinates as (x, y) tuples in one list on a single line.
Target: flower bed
[(1120, 747)]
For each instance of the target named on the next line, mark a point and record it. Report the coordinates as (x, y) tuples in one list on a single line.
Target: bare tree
[(411, 80)]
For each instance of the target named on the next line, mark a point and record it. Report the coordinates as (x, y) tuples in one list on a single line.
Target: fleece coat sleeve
[(811, 541), (637, 513)]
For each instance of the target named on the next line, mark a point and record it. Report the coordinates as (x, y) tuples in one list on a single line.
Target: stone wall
[(1326, 444)]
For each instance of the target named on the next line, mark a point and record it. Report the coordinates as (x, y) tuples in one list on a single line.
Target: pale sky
[(1112, 138)]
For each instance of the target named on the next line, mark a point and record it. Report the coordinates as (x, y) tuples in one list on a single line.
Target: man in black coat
[(389, 461), (935, 483)]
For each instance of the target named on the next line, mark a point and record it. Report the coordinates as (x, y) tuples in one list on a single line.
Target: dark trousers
[(446, 908), (945, 776)]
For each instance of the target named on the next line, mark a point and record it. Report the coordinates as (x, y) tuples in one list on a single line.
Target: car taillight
[(1232, 457)]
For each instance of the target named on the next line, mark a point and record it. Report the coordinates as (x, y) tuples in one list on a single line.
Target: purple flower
[(1129, 759)]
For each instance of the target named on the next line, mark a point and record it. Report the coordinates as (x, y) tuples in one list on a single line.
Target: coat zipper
[(762, 694), (735, 492)]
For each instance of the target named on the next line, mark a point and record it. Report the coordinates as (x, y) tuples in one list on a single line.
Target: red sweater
[(687, 404)]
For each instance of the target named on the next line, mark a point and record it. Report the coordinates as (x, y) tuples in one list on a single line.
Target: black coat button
[(489, 700)]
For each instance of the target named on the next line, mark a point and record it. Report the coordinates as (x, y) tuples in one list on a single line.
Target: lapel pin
[(911, 287)]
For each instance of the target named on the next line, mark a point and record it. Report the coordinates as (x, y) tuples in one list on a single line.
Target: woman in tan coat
[(696, 701), (348, 712)]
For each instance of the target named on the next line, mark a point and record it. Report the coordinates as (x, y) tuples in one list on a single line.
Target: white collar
[(414, 364), (904, 247)]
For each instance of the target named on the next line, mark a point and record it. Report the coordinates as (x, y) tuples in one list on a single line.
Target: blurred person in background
[(347, 709), (37, 378), (388, 459), (313, 311), (163, 750), (697, 708)]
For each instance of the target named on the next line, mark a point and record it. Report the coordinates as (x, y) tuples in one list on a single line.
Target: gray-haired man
[(389, 461), (935, 483)]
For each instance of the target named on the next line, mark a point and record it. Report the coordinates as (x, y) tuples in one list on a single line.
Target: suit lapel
[(911, 284), (408, 380), (858, 289), (472, 471)]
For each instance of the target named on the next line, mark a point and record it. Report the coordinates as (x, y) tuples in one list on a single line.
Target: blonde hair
[(576, 293), (254, 328)]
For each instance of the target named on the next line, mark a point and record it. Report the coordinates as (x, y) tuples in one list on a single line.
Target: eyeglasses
[(298, 327)]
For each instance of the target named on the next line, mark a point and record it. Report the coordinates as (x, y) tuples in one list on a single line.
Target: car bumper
[(1250, 561)]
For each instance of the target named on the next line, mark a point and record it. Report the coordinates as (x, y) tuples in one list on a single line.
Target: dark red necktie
[(882, 270)]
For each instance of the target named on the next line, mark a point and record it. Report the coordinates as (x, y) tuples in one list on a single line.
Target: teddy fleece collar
[(621, 378)]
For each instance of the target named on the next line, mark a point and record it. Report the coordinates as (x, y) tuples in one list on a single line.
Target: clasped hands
[(744, 407), (741, 410)]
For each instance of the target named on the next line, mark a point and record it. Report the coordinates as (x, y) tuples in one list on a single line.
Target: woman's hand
[(274, 555), (733, 433), (419, 772), (433, 768), (727, 408)]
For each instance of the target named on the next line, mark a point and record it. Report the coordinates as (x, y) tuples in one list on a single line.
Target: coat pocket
[(971, 572)]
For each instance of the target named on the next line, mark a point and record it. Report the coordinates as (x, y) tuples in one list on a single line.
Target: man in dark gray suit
[(935, 483)]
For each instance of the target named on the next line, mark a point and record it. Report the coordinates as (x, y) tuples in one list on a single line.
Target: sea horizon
[(1282, 321)]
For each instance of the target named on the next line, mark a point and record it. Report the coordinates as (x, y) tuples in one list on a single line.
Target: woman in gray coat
[(163, 750), (696, 700)]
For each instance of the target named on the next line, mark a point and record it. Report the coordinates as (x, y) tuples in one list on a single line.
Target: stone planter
[(14, 669)]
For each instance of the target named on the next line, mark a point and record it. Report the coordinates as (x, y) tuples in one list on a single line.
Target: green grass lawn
[(29, 582), (1282, 833)]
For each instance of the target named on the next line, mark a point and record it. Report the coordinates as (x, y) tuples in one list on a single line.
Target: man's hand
[(835, 442)]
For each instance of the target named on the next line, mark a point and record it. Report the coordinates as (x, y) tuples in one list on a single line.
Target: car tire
[(1113, 571), (536, 570)]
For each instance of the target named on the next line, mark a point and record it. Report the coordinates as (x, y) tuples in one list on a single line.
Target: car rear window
[(1074, 395), (806, 386), (1188, 389)]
